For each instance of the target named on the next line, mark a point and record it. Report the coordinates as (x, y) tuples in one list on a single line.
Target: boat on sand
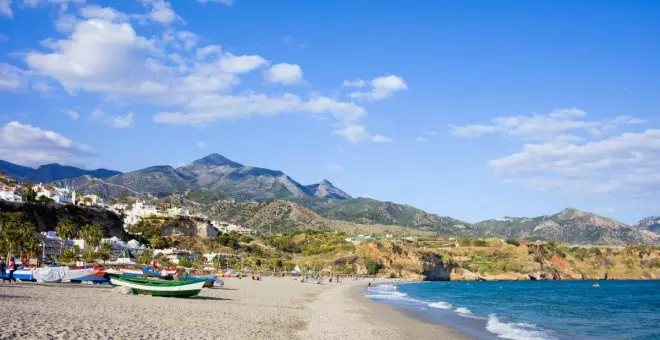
[(158, 287)]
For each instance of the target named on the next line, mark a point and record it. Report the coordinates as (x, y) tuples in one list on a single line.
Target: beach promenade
[(276, 308)]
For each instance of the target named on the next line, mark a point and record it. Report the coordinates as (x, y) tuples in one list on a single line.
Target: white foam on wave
[(385, 292), (514, 331), (463, 311), (440, 305)]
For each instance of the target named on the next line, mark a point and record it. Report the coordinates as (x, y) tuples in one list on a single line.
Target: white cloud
[(5, 8), (597, 161), (284, 73), (161, 11), (105, 13), (187, 84), (72, 114), (42, 87), (31, 146), (240, 64), (119, 122), (99, 56), (11, 77), (420, 139), (544, 126), (201, 145), (354, 83), (122, 122), (223, 2), (381, 88), (356, 133)]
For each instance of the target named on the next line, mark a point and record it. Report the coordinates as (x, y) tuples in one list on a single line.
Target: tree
[(159, 242), (184, 262), (44, 199), (70, 254), (66, 229), (92, 234), (145, 257), (29, 195), (373, 267), (105, 251)]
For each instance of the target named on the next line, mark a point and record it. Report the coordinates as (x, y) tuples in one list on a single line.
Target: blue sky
[(474, 109)]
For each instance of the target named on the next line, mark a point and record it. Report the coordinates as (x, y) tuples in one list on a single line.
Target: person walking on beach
[(12, 269)]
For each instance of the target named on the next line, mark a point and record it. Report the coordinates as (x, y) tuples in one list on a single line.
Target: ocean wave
[(514, 331), (463, 311), (440, 305)]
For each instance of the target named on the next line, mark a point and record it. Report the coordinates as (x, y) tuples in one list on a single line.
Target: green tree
[(159, 242), (29, 195), (92, 234), (145, 257), (373, 267), (70, 254), (66, 229), (184, 262), (105, 251)]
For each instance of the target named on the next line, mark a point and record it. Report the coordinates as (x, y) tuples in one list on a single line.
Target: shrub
[(373, 267), (513, 242)]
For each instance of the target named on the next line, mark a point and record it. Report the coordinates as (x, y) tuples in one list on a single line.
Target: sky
[(472, 109)]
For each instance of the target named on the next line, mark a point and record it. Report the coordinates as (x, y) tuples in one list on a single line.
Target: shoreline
[(357, 317)]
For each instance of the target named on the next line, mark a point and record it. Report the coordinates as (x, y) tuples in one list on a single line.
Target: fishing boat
[(209, 280), (101, 276), (22, 274), (61, 274), (158, 287)]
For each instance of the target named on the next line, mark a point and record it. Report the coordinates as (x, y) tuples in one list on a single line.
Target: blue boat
[(23, 274)]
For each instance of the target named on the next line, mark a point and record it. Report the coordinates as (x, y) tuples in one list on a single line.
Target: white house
[(92, 200), (173, 212), (8, 193), (143, 210), (226, 227)]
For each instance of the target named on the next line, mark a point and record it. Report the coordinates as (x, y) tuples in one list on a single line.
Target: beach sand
[(276, 308)]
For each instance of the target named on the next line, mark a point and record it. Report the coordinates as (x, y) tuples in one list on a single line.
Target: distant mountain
[(14, 170), (51, 172), (570, 225), (369, 211), (650, 223), (325, 189), (218, 176)]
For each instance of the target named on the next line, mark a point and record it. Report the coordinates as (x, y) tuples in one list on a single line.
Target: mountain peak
[(216, 159), (325, 182), (325, 189)]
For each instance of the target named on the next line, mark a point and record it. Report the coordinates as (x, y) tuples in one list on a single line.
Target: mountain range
[(229, 189), (51, 172)]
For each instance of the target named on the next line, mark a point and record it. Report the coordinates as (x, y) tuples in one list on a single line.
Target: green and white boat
[(159, 287)]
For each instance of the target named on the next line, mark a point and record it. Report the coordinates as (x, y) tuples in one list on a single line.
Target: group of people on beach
[(7, 268)]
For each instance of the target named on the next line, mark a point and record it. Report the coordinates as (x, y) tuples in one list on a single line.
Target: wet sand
[(276, 308)]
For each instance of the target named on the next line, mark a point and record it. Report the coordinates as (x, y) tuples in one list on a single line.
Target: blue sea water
[(534, 309)]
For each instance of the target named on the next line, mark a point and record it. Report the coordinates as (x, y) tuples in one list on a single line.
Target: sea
[(533, 309)]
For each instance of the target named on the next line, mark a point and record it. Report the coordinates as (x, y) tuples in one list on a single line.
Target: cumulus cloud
[(600, 160), (187, 83), (555, 124), (72, 114), (28, 145), (5, 8), (284, 73), (11, 77), (354, 83), (381, 88), (117, 121), (356, 133)]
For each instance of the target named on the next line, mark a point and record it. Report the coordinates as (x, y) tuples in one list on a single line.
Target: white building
[(92, 201), (8, 193), (226, 227), (143, 210), (173, 212), (131, 220)]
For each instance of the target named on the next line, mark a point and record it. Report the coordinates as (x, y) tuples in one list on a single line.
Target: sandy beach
[(276, 308)]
